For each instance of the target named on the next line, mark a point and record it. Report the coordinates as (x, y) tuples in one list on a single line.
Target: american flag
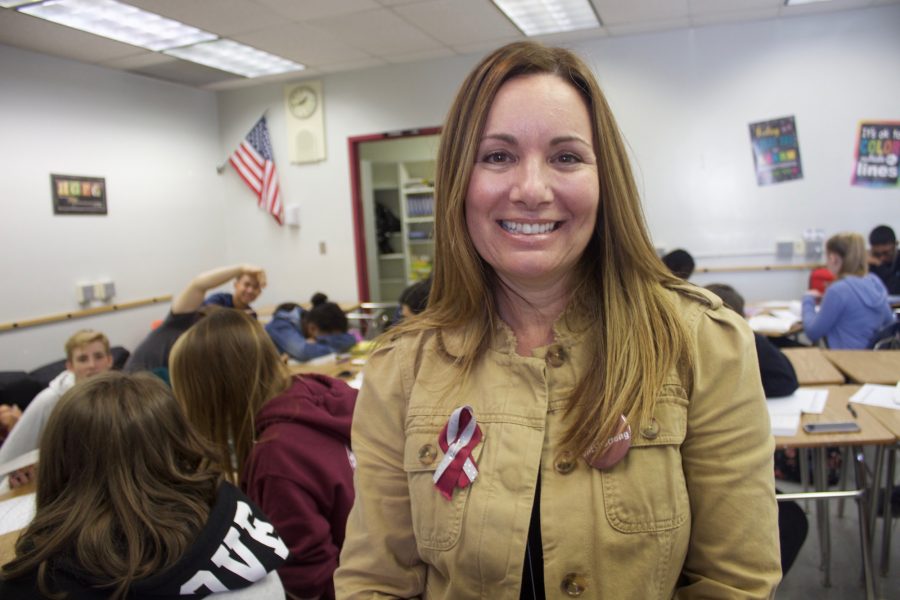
[(253, 162)]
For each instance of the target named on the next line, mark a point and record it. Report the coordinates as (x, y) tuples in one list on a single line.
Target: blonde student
[(131, 503)]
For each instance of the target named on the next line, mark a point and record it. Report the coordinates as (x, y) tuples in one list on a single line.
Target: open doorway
[(392, 178)]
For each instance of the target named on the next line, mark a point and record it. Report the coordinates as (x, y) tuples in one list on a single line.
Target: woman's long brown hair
[(637, 339), (223, 370), (124, 485)]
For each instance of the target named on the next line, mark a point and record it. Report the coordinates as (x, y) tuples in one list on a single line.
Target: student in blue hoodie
[(855, 306), (307, 334)]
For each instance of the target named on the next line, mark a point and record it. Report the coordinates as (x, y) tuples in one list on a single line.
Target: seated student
[(855, 306), (307, 334), (778, 379), (884, 259), (247, 287), (286, 439), (414, 299), (152, 354), (131, 503), (680, 263), (87, 354), (776, 371)]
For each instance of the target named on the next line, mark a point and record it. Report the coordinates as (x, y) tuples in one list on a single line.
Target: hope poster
[(776, 151), (877, 154)]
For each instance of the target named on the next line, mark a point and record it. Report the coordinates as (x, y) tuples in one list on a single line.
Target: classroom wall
[(157, 146), (683, 99)]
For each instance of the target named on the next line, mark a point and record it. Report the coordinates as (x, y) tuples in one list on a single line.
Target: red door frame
[(359, 230)]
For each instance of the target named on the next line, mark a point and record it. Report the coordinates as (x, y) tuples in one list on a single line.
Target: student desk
[(867, 366), (890, 419), (342, 369), (872, 433), (8, 540), (812, 367)]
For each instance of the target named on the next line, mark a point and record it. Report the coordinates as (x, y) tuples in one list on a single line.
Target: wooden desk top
[(888, 417), (8, 540), (812, 367), (872, 432), (867, 366), (794, 330)]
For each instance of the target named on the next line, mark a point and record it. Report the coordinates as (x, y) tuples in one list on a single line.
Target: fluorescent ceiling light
[(798, 2), (535, 17), (228, 55), (121, 22)]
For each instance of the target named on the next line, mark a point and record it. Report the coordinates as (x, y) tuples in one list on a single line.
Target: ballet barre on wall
[(80, 314)]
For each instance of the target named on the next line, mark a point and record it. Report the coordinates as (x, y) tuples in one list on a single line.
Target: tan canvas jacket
[(689, 512)]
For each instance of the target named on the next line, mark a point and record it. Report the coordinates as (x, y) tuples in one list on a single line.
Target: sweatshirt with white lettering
[(234, 557)]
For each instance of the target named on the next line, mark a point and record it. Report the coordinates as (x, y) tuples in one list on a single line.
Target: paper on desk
[(885, 396), (16, 513), (773, 323), (23, 460), (785, 412)]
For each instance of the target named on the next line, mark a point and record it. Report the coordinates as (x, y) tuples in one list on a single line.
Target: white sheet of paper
[(885, 396), (16, 513), (785, 425), (770, 323), (23, 460), (804, 400)]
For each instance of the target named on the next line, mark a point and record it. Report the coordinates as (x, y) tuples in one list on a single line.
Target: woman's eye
[(568, 158), (497, 158)]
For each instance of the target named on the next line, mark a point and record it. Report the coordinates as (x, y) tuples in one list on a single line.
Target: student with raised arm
[(152, 354), (247, 288)]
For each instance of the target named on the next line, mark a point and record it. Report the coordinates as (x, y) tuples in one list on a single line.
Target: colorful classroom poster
[(776, 151), (877, 154)]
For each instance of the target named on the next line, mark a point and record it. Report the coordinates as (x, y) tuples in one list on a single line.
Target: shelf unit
[(406, 190)]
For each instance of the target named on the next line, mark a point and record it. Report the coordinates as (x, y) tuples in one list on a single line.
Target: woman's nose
[(532, 185)]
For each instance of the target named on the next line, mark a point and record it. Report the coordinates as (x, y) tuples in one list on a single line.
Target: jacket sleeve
[(379, 558), (777, 372), (817, 324), (25, 436), (727, 461)]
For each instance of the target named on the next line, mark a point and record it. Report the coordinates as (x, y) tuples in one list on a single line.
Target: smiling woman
[(564, 409)]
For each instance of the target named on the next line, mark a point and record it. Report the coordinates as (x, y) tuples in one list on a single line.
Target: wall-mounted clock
[(303, 101), (305, 111)]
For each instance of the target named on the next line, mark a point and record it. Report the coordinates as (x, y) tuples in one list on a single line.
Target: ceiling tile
[(30, 33), (648, 26), (699, 7), (616, 12), (712, 18), (307, 10), (421, 55), (379, 32), (302, 43), (223, 17), (820, 7), (138, 61), (487, 45), (353, 65), (184, 72), (458, 22)]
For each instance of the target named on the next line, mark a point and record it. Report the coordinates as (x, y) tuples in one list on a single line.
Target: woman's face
[(533, 197), (834, 262)]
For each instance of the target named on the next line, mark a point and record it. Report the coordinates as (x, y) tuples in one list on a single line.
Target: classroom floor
[(804, 580)]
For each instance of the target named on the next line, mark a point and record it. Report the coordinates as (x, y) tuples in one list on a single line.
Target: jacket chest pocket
[(436, 521), (647, 491)]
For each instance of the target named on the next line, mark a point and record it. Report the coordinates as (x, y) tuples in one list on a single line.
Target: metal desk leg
[(862, 504), (821, 484), (846, 458), (886, 513), (872, 492), (803, 456)]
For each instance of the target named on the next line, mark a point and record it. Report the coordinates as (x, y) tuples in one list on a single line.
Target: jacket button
[(565, 463), (556, 356), (651, 430), (427, 454), (573, 585)]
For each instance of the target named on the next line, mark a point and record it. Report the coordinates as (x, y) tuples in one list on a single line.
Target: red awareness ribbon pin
[(457, 439)]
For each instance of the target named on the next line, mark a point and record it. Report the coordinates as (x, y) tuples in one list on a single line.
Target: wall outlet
[(322, 248), (784, 250)]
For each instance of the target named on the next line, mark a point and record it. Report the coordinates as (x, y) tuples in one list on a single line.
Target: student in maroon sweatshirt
[(285, 439)]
